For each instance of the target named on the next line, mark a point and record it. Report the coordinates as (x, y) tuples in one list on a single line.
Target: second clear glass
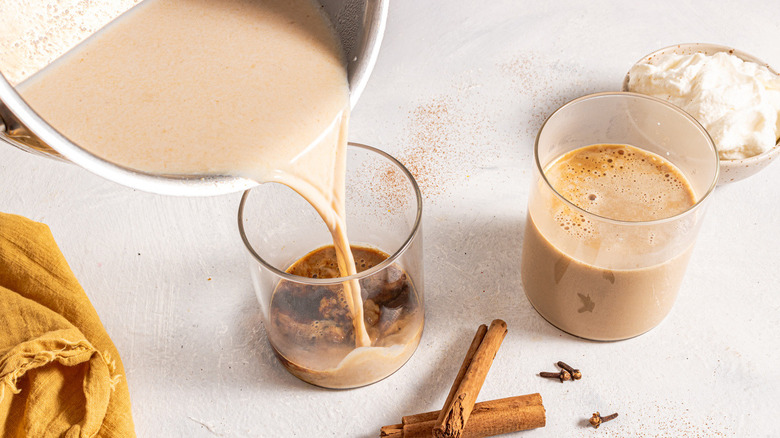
[(620, 278)]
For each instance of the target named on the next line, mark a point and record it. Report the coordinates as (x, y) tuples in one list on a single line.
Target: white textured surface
[(459, 92)]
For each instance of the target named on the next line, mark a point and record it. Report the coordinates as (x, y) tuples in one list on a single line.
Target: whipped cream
[(737, 102)]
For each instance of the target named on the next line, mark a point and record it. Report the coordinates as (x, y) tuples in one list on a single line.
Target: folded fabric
[(60, 374)]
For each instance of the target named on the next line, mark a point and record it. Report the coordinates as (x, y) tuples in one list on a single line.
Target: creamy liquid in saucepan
[(256, 89)]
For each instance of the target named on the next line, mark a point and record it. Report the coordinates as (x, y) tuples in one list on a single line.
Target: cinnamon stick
[(392, 431), (452, 419), (396, 430), (464, 367), (488, 418)]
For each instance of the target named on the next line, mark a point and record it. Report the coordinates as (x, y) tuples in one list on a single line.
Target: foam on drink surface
[(620, 182)]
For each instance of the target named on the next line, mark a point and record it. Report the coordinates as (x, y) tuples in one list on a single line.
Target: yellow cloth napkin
[(60, 374)]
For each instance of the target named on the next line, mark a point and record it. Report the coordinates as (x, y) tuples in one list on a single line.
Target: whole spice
[(597, 419), (575, 374), (485, 419), (488, 418), (464, 367), (563, 375), (455, 413)]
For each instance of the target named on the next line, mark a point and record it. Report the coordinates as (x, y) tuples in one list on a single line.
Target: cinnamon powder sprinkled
[(442, 144), (666, 419), (391, 188), (559, 84)]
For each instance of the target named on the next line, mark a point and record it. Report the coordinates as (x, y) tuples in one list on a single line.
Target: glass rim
[(621, 94), (360, 275)]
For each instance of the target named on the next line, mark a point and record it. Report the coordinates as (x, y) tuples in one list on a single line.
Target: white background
[(458, 93)]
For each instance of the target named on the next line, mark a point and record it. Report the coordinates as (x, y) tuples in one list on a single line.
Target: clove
[(575, 374), (563, 375), (597, 419)]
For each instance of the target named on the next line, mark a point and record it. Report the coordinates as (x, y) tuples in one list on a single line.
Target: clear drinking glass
[(617, 279), (306, 319)]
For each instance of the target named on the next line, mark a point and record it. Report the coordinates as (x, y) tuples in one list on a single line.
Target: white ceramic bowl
[(730, 170)]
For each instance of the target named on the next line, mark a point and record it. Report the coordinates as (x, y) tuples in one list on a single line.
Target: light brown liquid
[(594, 279), (311, 328), (256, 89)]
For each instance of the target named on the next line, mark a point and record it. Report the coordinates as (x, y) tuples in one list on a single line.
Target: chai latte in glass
[(577, 272)]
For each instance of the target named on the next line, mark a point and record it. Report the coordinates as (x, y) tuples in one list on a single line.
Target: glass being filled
[(308, 311)]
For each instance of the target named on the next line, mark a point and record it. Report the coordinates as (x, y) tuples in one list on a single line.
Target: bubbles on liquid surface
[(620, 182)]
